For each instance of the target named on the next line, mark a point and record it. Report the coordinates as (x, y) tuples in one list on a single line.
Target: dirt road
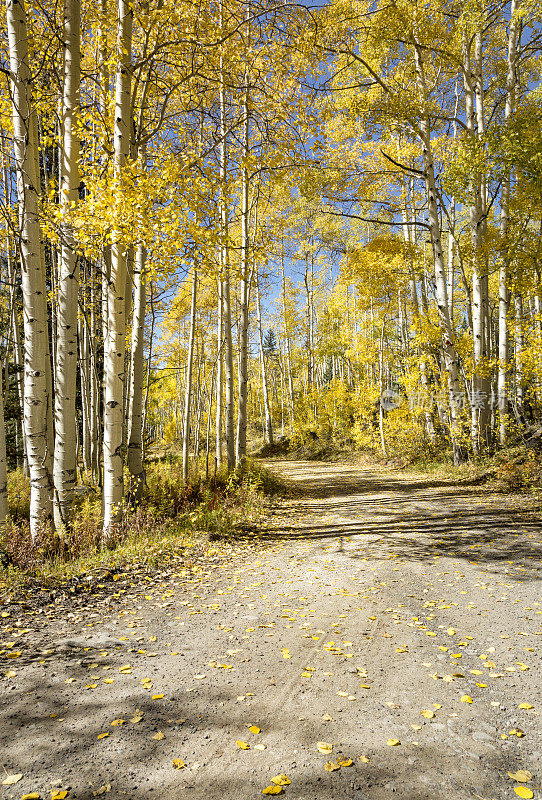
[(391, 619)]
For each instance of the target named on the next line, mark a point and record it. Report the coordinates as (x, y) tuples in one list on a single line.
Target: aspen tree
[(189, 368), (37, 395), (65, 453), (3, 462), (114, 346)]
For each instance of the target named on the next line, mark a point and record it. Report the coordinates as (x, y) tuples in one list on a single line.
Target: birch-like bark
[(268, 426), (134, 456), (3, 462), (37, 397), (65, 453), (219, 379), (241, 449), (448, 350), (114, 346), (504, 298), (189, 368)]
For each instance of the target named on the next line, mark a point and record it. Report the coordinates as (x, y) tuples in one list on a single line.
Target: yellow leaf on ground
[(242, 745), (344, 762), (118, 722), (58, 794), (31, 796), (330, 766), (126, 669), (272, 789), (525, 705), (324, 747), (254, 729), (522, 775), (524, 791), (9, 780), (102, 735), (364, 759), (157, 696), (178, 763), (158, 736), (281, 780), (137, 717), (427, 713), (393, 742), (466, 698)]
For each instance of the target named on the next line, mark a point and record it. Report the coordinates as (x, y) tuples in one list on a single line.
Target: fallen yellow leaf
[(102, 735), (58, 794), (324, 747), (427, 713), (344, 762), (525, 705), (254, 729), (118, 722), (330, 766), (242, 745), (157, 696), (524, 791), (393, 742), (178, 763), (31, 796), (158, 736), (466, 698), (281, 780), (9, 780), (364, 759), (272, 789), (522, 775)]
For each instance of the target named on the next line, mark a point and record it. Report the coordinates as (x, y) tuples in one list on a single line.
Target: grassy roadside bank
[(172, 524)]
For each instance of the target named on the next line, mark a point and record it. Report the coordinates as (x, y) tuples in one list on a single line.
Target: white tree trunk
[(504, 297), (189, 367), (245, 295), (65, 454), (265, 387), (114, 346), (37, 397), (134, 456)]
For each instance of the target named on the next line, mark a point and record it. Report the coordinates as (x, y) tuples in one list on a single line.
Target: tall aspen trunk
[(241, 444), (448, 350), (134, 453), (189, 367), (519, 346), (268, 427), (504, 298), (114, 346), (3, 462), (37, 395), (219, 379)]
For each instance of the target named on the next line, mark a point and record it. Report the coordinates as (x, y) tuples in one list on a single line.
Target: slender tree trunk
[(3, 463), (265, 388), (189, 367), (504, 298), (37, 396), (134, 454), (245, 292), (114, 347), (219, 379)]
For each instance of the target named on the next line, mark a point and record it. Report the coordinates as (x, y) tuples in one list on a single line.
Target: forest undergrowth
[(172, 522)]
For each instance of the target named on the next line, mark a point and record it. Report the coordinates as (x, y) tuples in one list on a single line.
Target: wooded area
[(230, 220)]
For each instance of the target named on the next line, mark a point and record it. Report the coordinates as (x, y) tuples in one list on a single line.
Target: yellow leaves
[(105, 789), (285, 653), (147, 683), (126, 669), (157, 696), (10, 780), (281, 780), (364, 759), (427, 713), (159, 736), (58, 794), (138, 716), (31, 796), (178, 763), (457, 655), (324, 747), (524, 791), (522, 775), (466, 698), (11, 673), (254, 729), (272, 789), (525, 706), (344, 762), (393, 742), (118, 722), (402, 649), (450, 631), (242, 745), (331, 766), (102, 735)]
